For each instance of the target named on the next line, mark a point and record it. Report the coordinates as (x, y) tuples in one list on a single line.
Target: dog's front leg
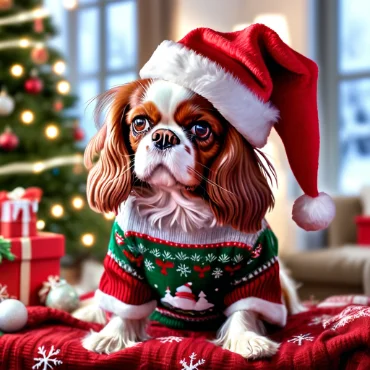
[(116, 335), (243, 333)]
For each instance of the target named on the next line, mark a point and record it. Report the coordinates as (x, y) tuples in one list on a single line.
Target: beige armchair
[(340, 268)]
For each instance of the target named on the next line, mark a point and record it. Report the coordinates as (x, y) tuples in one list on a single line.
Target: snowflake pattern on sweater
[(193, 282)]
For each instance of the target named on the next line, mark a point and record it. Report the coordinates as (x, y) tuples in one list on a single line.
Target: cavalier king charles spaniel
[(183, 166)]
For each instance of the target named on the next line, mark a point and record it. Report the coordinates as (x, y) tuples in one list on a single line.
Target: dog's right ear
[(110, 179)]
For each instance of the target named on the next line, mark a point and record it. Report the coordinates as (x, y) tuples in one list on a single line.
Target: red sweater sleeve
[(260, 291), (123, 289)]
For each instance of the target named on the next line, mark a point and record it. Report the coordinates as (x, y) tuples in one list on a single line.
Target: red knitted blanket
[(322, 338)]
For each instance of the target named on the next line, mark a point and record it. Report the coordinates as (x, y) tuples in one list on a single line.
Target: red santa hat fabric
[(256, 81)]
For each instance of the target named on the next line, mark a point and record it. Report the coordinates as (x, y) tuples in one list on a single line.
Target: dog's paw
[(251, 345), (105, 343)]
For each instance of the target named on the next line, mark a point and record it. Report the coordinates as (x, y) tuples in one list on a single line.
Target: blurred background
[(57, 55)]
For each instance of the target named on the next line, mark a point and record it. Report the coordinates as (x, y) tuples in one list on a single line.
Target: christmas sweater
[(182, 279)]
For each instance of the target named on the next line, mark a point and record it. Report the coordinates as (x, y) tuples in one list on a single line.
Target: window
[(345, 92), (99, 39)]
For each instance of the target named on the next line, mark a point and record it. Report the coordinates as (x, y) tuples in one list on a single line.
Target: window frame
[(330, 78), (103, 73)]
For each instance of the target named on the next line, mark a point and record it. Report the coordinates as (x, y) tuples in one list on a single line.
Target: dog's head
[(163, 135)]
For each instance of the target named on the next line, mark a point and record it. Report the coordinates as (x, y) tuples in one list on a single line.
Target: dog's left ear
[(238, 190), (110, 180)]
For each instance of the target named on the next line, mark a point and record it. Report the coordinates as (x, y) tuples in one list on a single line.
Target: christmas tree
[(38, 141)]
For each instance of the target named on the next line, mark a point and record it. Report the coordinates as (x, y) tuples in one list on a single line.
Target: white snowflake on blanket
[(183, 270), (348, 315), (217, 273), (155, 252), (317, 320), (170, 339), (191, 365), (46, 360), (149, 265), (298, 339)]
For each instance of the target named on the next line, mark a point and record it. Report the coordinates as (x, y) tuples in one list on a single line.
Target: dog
[(172, 167)]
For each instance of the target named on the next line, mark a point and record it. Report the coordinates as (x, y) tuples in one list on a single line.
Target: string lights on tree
[(88, 240), (51, 131), (57, 211), (40, 224), (27, 117), (78, 202), (37, 91), (16, 70), (63, 87), (59, 67)]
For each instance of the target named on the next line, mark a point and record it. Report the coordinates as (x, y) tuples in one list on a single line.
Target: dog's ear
[(238, 190), (110, 179)]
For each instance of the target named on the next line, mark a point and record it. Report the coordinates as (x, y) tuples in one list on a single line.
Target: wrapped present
[(28, 263), (18, 212), (363, 230)]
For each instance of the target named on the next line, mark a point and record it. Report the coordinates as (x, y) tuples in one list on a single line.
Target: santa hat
[(255, 80), (185, 292)]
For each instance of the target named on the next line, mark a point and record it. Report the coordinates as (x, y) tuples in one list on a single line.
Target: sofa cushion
[(343, 229), (347, 265)]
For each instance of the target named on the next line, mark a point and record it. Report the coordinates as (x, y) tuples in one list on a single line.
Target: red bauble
[(6, 4), (58, 105), (33, 85), (39, 55), (78, 133), (8, 140), (38, 25)]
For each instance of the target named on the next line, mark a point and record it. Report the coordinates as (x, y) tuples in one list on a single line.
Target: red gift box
[(363, 230), (18, 212), (36, 258)]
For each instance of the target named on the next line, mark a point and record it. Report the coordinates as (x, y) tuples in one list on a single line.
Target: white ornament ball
[(63, 297), (6, 104), (13, 315)]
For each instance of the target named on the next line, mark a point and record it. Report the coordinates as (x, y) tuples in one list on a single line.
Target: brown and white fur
[(209, 175)]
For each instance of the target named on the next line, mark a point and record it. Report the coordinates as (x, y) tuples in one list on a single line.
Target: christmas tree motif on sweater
[(184, 299)]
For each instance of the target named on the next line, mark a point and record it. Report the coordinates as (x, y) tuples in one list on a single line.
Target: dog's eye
[(201, 130), (140, 124)]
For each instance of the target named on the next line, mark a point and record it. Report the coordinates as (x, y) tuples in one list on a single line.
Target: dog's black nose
[(164, 139)]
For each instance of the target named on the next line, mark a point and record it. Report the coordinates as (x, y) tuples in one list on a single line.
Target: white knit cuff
[(124, 310)]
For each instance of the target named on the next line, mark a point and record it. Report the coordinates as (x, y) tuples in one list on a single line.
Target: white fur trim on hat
[(174, 62), (313, 214)]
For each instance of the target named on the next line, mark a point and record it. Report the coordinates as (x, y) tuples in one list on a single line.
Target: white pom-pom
[(313, 214), (13, 315)]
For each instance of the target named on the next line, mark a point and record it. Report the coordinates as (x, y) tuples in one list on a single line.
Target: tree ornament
[(34, 84), (57, 293), (39, 55), (8, 140), (6, 4), (58, 105), (78, 132), (6, 104), (13, 315), (38, 25)]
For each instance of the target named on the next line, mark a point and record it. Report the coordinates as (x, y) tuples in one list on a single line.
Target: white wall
[(223, 15)]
